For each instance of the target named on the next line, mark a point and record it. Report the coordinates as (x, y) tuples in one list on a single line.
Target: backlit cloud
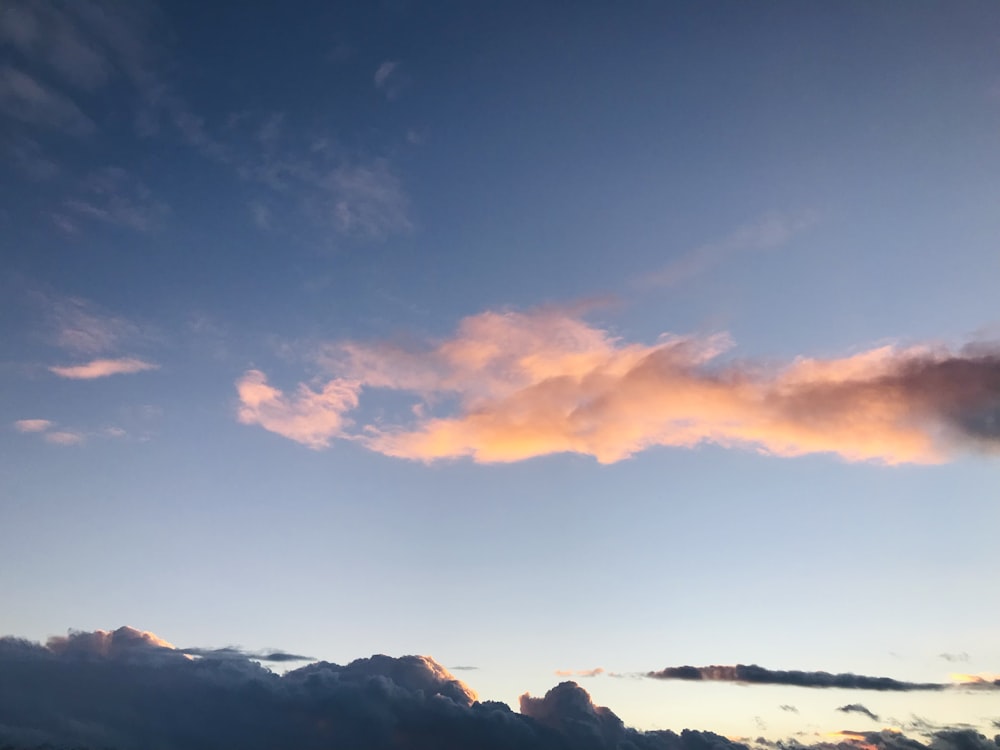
[(102, 368), (510, 386)]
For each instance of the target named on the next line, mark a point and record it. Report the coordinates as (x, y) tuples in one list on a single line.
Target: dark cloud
[(857, 708), (790, 709), (753, 674), (130, 690)]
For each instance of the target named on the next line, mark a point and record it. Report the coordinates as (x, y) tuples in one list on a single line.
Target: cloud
[(130, 689), (788, 708), (102, 368), (383, 72), (772, 231), (64, 437), (508, 386), (368, 200), (857, 708), (79, 326), (231, 652), (579, 672), (309, 417), (752, 674), (32, 425), (113, 196), (25, 99)]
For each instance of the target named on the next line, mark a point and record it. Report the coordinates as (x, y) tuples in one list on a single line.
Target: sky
[(631, 344)]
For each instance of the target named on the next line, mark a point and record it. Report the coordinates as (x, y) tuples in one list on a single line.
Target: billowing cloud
[(129, 689), (510, 386), (102, 368), (32, 425), (752, 674), (858, 708)]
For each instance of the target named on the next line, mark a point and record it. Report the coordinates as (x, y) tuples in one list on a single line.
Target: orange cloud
[(102, 368), (521, 385)]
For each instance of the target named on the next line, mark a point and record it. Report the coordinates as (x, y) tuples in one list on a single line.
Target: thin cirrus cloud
[(751, 674), (102, 368), (509, 386)]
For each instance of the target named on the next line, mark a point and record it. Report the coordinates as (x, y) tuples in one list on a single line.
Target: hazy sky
[(536, 337)]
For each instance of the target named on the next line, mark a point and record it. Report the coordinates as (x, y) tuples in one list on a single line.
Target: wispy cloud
[(24, 98), (772, 231), (368, 200), (113, 196), (79, 326), (102, 368), (960, 657), (32, 425), (388, 79), (510, 386), (579, 672), (64, 437)]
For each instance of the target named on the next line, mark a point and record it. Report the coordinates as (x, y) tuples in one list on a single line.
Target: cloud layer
[(129, 690), (508, 386)]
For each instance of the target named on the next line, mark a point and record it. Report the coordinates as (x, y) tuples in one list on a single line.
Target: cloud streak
[(508, 386), (751, 674), (102, 368)]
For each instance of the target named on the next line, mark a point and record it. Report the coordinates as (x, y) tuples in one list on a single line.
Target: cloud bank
[(508, 386), (131, 690)]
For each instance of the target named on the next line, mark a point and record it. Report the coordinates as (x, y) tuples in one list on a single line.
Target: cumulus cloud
[(130, 690), (102, 368), (32, 425), (752, 674), (857, 708), (509, 386)]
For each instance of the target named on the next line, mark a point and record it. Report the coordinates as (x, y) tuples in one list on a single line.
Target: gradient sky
[(535, 337)]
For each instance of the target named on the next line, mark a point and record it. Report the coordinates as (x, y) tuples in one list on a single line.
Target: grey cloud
[(857, 708), (790, 709), (753, 674)]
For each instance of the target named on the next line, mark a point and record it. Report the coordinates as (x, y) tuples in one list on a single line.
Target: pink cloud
[(309, 417), (102, 368), (511, 386), (64, 437), (32, 425)]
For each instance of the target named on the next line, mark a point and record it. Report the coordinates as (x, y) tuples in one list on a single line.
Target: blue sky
[(532, 337)]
